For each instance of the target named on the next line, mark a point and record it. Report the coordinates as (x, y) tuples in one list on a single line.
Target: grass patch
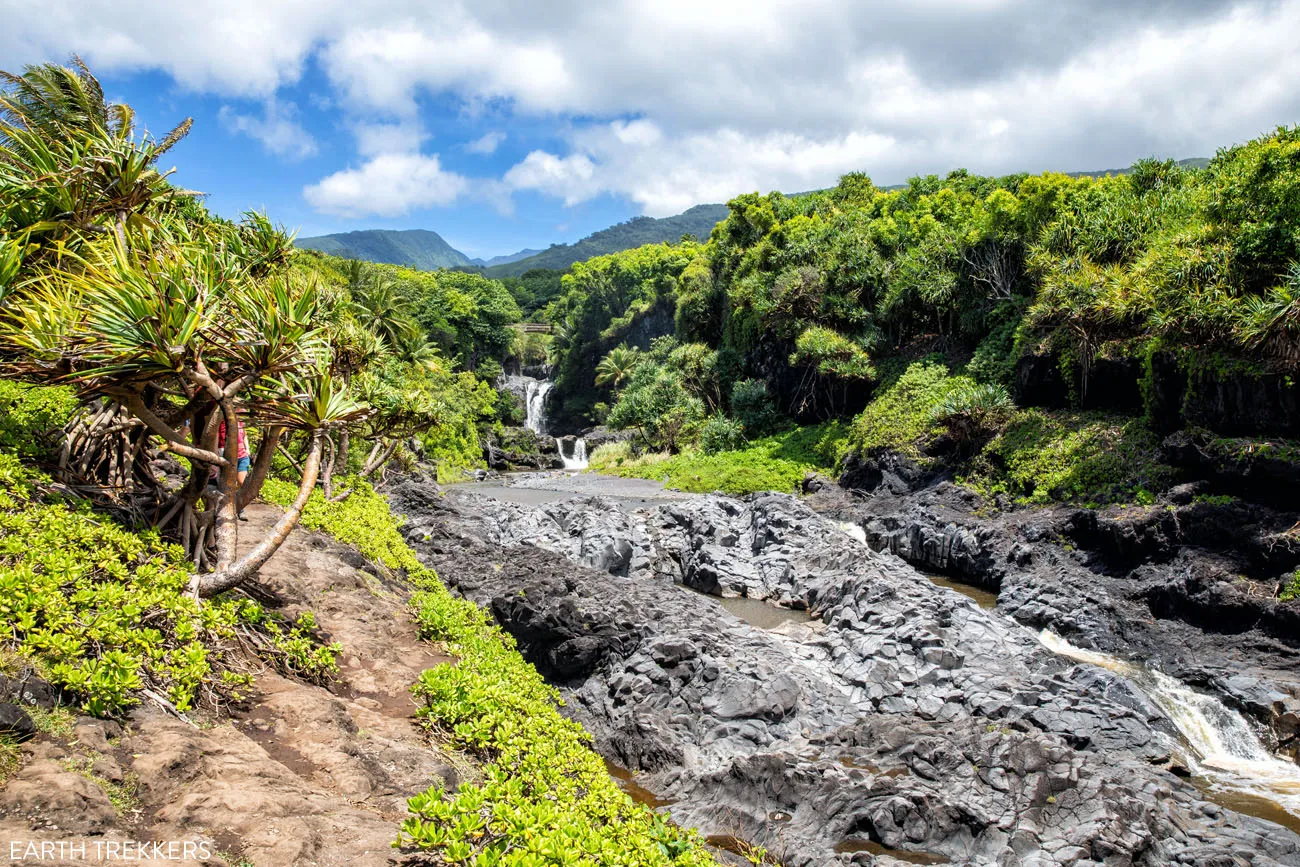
[(545, 796), (57, 722), (124, 796), (773, 463), (11, 758)]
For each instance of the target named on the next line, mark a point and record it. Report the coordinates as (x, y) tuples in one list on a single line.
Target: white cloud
[(277, 129), (572, 178), (677, 102), (486, 144), (383, 138), (387, 185)]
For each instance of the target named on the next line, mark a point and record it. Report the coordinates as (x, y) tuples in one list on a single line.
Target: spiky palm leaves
[(614, 369), (380, 306), (167, 324), (71, 167)]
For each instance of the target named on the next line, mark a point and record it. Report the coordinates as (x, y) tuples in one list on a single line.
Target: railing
[(533, 327)]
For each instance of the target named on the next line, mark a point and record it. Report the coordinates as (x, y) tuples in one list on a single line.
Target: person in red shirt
[(243, 458)]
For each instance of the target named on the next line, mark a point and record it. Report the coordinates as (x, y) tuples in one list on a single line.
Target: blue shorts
[(243, 464)]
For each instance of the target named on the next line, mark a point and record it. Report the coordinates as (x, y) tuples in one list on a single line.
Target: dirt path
[(302, 775)]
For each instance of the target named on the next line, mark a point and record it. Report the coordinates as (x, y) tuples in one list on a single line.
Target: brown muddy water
[(849, 846), (762, 614), (983, 598), (627, 782)]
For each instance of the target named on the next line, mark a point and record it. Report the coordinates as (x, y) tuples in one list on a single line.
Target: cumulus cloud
[(676, 102), (277, 129), (387, 185)]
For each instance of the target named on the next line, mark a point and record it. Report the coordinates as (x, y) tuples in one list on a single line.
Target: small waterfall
[(1222, 746), (535, 404), (577, 459)]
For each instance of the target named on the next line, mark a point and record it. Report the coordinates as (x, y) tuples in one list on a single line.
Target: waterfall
[(577, 460), (535, 403), (1222, 746)]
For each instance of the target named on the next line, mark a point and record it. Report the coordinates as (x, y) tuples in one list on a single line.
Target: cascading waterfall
[(535, 404), (1220, 744), (577, 459)]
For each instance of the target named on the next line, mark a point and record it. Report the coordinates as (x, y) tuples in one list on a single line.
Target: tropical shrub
[(721, 434), (901, 416), (752, 405), (971, 409)]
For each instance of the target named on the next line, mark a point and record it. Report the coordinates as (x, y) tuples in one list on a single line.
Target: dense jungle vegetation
[(133, 325), (1039, 333)]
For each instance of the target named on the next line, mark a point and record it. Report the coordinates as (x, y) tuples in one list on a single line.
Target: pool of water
[(983, 598), (627, 782), (849, 846), (764, 615)]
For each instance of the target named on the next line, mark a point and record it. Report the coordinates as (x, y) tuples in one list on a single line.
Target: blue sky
[(238, 172), (504, 124)]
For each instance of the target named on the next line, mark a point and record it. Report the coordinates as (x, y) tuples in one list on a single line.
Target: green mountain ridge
[(506, 260), (638, 231), (414, 248)]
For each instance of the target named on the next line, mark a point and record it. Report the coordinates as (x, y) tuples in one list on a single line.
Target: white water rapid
[(1219, 744), (577, 460), (535, 404)]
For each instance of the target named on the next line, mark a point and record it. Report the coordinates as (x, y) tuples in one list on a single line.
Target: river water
[(1228, 761)]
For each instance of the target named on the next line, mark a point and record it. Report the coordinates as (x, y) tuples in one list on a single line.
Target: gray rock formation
[(902, 714)]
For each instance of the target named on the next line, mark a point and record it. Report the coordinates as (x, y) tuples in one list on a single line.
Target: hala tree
[(167, 323)]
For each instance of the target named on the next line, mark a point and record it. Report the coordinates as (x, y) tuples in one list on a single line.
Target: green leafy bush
[(721, 434), (29, 414), (545, 797), (753, 406), (104, 612), (1291, 590), (971, 409), (1075, 457), (902, 415)]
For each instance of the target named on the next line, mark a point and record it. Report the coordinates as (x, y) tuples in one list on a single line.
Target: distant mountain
[(416, 248), (1192, 163), (698, 221), (505, 260)]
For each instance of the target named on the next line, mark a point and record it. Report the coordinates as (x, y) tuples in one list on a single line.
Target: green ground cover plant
[(105, 614)]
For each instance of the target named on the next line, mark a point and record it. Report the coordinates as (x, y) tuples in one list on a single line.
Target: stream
[(897, 677)]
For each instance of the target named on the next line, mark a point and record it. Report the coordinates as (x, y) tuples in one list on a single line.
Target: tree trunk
[(227, 526), (345, 440), (225, 579)]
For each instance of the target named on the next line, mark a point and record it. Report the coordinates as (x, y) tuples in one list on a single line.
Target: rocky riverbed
[(901, 721)]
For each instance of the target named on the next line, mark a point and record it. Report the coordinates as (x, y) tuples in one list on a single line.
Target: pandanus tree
[(168, 327)]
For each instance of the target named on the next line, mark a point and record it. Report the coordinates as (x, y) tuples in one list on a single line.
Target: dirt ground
[(297, 775)]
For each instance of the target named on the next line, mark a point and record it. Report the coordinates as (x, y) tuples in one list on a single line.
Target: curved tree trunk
[(247, 566)]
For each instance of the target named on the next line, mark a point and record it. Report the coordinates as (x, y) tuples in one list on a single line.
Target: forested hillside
[(697, 221), (414, 248), (136, 329), (1169, 296)]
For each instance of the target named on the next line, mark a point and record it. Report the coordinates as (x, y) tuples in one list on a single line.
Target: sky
[(503, 124)]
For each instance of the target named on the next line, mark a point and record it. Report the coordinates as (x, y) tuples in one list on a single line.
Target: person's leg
[(243, 466)]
